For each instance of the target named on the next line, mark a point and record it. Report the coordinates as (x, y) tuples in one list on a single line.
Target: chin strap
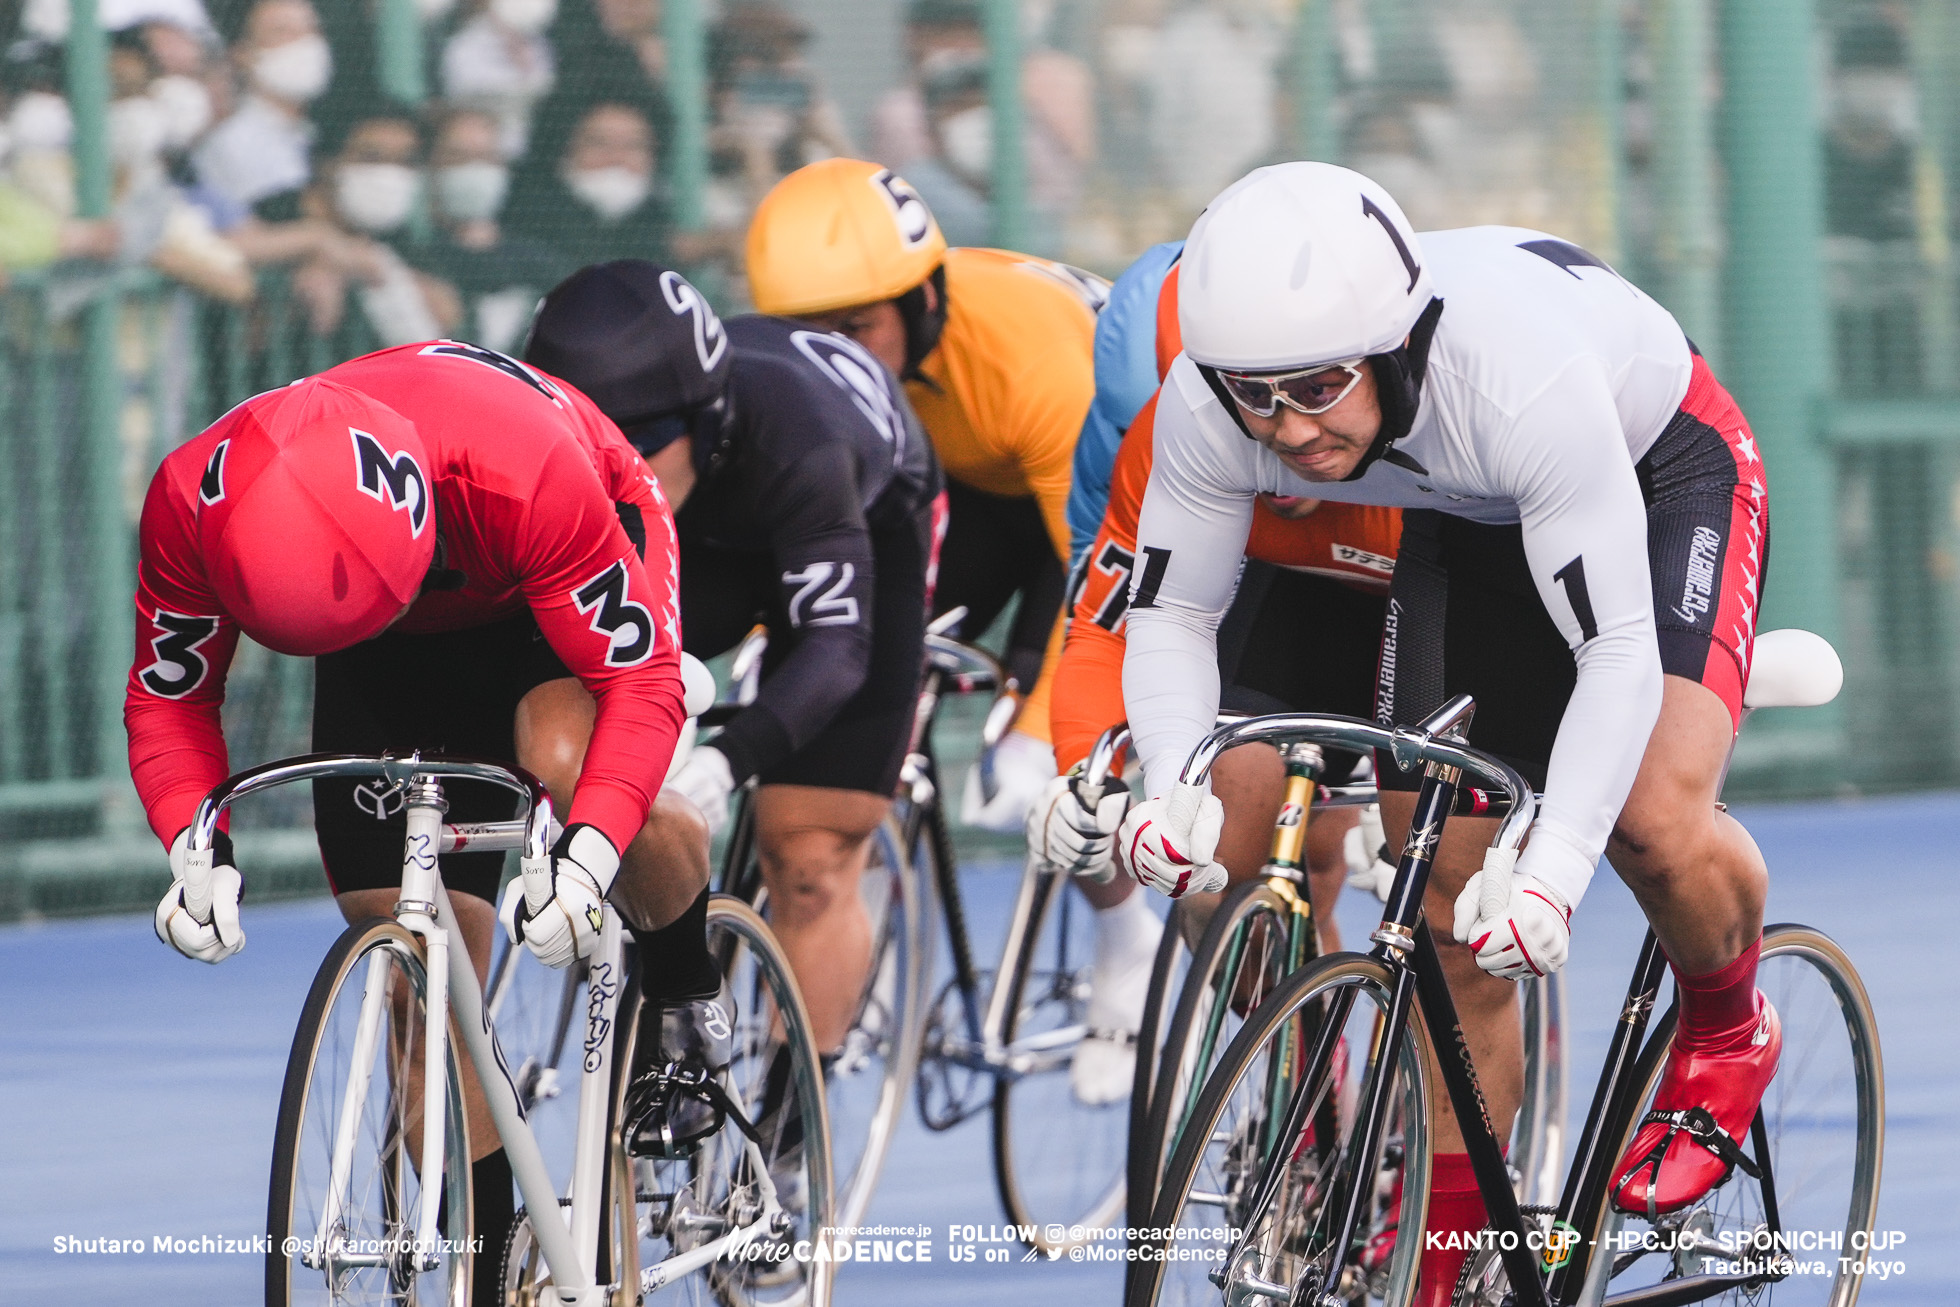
[(923, 324)]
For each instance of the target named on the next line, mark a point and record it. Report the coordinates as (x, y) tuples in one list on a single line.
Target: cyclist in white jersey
[(1584, 556)]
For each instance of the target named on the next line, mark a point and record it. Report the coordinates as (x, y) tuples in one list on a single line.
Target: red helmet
[(315, 517)]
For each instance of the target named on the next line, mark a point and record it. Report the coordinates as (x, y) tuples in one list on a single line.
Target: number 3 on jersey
[(179, 668), (624, 622)]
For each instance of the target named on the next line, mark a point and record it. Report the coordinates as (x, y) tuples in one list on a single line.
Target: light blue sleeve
[(1126, 377)]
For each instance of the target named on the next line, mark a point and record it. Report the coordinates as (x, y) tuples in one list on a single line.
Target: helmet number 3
[(914, 219), (623, 621)]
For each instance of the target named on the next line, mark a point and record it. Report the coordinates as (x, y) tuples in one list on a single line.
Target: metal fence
[(1779, 172)]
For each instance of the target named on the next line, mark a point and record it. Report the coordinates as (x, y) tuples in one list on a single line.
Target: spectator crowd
[(256, 135)]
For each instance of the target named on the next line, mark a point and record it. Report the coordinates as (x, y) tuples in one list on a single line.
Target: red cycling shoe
[(1692, 1138)]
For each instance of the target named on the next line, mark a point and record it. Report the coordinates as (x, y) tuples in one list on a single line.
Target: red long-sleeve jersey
[(534, 491)]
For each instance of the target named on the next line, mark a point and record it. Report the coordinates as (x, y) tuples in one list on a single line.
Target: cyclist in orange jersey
[(995, 351)]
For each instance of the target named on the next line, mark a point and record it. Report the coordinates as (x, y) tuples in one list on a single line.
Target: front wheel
[(1822, 1127), (1060, 1162), (347, 1197), (1234, 1143)]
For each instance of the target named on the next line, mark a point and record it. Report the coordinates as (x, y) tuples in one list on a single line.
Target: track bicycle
[(980, 1044), (1295, 1201), (370, 1193), (1206, 979)]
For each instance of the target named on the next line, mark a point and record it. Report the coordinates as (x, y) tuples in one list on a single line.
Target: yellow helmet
[(838, 233)]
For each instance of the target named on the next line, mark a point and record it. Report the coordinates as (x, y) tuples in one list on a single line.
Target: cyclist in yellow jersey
[(995, 351)]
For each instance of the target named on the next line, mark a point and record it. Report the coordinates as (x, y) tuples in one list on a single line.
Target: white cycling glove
[(211, 933), (1365, 847), (705, 781), (1007, 781), (1168, 843), (1518, 923), (564, 921), (1064, 832)]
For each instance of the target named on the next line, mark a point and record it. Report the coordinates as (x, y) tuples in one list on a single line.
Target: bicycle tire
[(381, 1173), (768, 1003), (1087, 1143), (1231, 921), (889, 1024), (1166, 982), (1805, 1062), (1243, 1064)]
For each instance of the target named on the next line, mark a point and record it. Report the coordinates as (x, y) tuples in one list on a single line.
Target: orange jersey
[(1004, 394), (1352, 543)]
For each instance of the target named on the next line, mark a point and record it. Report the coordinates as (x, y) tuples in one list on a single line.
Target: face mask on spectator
[(968, 139), (430, 10), (376, 197), (472, 192), (136, 132), (184, 106), (612, 193), (41, 121), (297, 71), (527, 16)]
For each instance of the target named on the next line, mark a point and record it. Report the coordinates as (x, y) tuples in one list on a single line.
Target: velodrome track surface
[(138, 1090)]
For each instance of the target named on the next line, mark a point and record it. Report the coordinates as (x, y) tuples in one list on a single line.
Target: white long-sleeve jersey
[(1549, 376)]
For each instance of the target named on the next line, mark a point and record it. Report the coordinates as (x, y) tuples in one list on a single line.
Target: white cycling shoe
[(1126, 944)]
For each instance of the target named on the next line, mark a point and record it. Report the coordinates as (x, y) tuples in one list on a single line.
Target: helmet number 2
[(623, 621)]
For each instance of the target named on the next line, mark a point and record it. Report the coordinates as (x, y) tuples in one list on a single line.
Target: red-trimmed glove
[(1519, 925), (1168, 843)]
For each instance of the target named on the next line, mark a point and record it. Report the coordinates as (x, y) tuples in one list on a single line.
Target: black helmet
[(642, 343)]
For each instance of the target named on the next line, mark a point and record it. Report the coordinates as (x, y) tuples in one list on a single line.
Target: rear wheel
[(773, 1191), (347, 1199), (1822, 1126)]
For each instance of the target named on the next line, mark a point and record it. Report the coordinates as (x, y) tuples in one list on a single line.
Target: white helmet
[(1297, 264)]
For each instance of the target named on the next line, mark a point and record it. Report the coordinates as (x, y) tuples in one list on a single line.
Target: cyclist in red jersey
[(458, 540)]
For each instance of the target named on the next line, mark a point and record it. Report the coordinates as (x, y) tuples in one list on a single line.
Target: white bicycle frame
[(570, 1250)]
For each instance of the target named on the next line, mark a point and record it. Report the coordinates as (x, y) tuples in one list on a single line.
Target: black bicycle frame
[(1403, 945)]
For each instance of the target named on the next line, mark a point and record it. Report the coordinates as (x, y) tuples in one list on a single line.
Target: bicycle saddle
[(1792, 669)]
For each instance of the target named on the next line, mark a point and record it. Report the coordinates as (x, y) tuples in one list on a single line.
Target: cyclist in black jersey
[(803, 490)]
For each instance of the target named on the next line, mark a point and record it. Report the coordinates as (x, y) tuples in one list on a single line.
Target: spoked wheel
[(771, 1191), (867, 1079), (1822, 1128), (535, 1010), (1167, 973), (1234, 1137), (347, 1196), (1060, 1162), (1242, 957)]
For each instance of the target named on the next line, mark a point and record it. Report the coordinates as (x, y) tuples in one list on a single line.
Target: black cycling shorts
[(1465, 618), (996, 547), (724, 594), (453, 692), (1297, 642)]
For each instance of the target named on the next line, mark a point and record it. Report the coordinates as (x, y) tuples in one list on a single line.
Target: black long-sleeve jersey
[(825, 454)]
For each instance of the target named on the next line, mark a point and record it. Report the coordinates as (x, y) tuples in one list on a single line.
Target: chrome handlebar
[(530, 833), (1409, 746)]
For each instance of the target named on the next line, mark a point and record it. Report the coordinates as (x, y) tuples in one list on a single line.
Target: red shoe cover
[(1727, 1077), (1455, 1207)]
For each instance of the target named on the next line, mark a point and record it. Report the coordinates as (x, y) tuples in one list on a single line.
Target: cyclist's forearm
[(800, 697), (1170, 688), (176, 755), (1601, 740)]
